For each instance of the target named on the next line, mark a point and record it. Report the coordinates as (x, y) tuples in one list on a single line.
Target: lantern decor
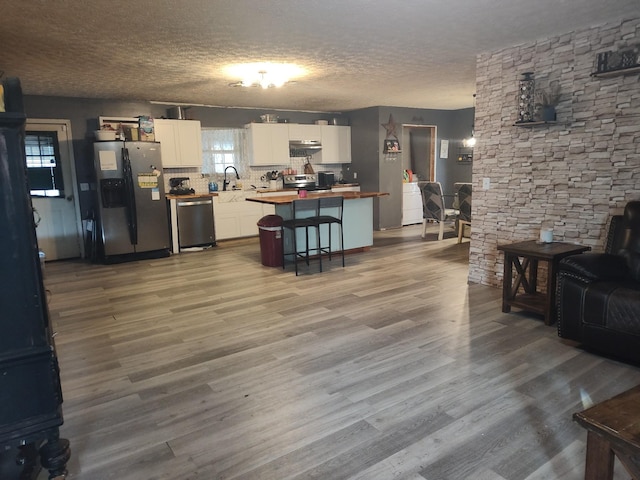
[(526, 100)]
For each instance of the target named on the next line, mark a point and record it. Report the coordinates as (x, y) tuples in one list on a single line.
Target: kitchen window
[(43, 164), (221, 148)]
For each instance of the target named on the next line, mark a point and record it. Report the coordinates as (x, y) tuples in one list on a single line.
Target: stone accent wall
[(570, 176)]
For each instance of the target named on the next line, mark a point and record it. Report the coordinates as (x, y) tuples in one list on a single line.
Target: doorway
[(54, 194), (421, 154)]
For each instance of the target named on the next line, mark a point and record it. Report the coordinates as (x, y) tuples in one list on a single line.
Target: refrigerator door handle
[(132, 219)]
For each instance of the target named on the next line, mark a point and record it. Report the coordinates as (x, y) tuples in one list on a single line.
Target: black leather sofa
[(598, 294)]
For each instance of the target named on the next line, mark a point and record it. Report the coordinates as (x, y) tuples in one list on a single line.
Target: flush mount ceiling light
[(264, 75)]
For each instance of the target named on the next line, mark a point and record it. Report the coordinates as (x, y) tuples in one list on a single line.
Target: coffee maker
[(326, 179), (180, 186)]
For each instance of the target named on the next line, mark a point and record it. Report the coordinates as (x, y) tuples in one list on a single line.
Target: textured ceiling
[(357, 53)]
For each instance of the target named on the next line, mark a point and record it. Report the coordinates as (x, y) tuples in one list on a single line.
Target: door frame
[(406, 129), (66, 125)]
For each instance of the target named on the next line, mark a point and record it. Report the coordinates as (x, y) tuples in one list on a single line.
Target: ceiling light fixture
[(264, 75)]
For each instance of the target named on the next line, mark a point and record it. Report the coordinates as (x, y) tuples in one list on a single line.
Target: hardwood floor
[(207, 365)]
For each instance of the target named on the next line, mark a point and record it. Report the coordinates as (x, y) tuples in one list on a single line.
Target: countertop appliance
[(195, 222), (180, 186), (306, 181), (326, 180), (132, 219)]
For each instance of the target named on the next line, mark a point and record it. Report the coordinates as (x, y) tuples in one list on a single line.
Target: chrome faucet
[(226, 182)]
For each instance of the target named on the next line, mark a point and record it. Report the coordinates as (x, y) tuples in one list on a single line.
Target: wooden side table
[(532, 252), (613, 428)]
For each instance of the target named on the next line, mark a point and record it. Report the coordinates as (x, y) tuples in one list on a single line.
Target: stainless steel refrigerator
[(132, 220)]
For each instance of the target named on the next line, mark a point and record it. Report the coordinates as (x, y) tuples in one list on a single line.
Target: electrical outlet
[(486, 183), (355, 175)]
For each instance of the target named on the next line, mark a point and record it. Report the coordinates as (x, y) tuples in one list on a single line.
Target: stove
[(305, 181)]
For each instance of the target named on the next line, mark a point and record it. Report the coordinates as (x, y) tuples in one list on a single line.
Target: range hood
[(305, 144)]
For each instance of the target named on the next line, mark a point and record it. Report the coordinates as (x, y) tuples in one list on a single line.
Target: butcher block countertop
[(285, 199), (192, 195)]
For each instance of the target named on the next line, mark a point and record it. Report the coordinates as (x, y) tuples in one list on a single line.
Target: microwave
[(326, 179)]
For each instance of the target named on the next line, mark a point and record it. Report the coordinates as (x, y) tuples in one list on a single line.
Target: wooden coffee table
[(613, 428), (532, 252)]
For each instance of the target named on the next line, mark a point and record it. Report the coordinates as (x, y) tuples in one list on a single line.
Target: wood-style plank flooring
[(208, 365)]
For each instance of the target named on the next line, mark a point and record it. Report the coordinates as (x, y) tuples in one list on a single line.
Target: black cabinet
[(30, 393)]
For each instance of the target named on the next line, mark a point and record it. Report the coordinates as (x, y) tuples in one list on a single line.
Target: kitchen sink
[(235, 195)]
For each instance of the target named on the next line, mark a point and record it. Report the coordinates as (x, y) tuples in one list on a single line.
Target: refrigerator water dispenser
[(112, 192)]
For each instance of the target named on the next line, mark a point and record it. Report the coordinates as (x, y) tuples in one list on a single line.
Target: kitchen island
[(357, 218)]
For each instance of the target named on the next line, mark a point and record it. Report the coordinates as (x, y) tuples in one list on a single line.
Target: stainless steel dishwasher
[(195, 222)]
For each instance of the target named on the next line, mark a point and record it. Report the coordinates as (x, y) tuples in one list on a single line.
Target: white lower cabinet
[(238, 218), (411, 204), (345, 188)]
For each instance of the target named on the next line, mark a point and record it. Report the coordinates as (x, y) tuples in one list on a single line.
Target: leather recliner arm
[(589, 267)]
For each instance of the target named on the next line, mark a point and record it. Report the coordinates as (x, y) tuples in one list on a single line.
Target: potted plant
[(547, 100)]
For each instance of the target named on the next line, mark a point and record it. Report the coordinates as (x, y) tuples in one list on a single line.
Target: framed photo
[(444, 148), (391, 146)]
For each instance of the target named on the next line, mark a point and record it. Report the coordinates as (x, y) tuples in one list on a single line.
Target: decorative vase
[(526, 102)]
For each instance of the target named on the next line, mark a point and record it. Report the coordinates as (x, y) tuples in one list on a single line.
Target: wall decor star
[(390, 127)]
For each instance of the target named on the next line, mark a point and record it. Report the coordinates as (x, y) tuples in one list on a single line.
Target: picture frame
[(391, 146)]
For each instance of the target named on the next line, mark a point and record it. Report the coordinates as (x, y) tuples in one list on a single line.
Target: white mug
[(546, 235)]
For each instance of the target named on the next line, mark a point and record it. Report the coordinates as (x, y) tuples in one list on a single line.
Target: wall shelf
[(615, 73), (533, 124)]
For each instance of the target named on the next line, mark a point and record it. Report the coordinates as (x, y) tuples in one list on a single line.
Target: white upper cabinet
[(268, 143), (300, 132), (336, 144), (180, 142)]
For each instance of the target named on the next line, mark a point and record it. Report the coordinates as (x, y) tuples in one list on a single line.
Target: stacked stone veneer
[(570, 176)]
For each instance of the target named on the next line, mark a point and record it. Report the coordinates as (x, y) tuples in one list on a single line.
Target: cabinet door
[(336, 144), (225, 220), (189, 141), (165, 134), (250, 213), (268, 143), (304, 132), (344, 143), (280, 144), (180, 142)]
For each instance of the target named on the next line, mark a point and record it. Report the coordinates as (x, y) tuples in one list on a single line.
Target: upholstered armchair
[(433, 207), (598, 294)]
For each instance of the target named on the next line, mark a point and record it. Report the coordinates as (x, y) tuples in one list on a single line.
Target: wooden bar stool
[(305, 211)]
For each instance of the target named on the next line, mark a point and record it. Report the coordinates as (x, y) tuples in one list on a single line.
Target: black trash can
[(270, 230)]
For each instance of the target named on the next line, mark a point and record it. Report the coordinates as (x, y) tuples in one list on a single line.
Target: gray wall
[(376, 172), (84, 112), (379, 172)]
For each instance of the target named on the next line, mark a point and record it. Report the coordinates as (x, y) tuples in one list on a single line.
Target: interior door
[(58, 217)]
